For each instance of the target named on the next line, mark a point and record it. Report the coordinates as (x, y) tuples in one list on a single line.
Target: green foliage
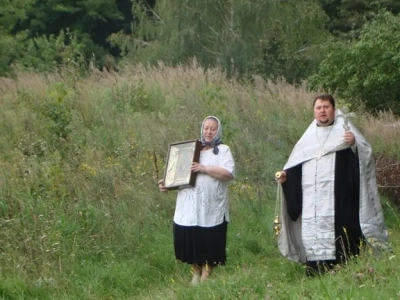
[(279, 60), (271, 38), (55, 115), (58, 109), (133, 98), (12, 12), (346, 18), (45, 54), (79, 16), (366, 69), (46, 27), (10, 49)]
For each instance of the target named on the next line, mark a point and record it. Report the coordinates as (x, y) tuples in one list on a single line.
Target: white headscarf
[(217, 140)]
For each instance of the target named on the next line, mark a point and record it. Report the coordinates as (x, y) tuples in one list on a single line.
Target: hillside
[(80, 211)]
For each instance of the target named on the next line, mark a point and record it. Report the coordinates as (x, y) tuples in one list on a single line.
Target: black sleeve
[(293, 191), (347, 198), (347, 178)]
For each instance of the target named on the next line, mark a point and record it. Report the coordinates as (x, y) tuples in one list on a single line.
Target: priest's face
[(210, 129), (324, 112)]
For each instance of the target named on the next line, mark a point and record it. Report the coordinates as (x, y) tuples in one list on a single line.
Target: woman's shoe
[(195, 279)]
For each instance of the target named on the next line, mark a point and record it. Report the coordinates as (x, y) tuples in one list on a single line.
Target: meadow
[(81, 216)]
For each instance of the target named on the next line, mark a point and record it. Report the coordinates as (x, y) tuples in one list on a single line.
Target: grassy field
[(81, 216)]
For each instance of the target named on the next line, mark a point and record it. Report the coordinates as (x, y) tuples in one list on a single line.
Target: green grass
[(81, 216)]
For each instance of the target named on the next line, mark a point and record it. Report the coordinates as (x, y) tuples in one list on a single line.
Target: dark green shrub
[(366, 69)]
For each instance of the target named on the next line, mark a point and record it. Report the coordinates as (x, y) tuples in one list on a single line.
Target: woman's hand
[(161, 186), (198, 168), (215, 172)]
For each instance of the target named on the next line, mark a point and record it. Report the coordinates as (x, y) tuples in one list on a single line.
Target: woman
[(202, 212)]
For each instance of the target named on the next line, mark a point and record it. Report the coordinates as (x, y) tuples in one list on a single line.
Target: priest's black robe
[(348, 234)]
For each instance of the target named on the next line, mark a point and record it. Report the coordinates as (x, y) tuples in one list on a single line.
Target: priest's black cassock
[(348, 234)]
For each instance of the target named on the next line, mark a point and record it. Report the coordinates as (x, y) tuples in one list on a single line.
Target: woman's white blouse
[(207, 203)]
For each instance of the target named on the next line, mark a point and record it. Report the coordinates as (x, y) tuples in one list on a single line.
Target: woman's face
[(210, 128)]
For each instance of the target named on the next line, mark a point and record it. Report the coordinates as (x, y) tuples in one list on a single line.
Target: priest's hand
[(280, 176), (349, 138)]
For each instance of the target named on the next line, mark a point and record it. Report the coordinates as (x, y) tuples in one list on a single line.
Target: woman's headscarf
[(217, 140)]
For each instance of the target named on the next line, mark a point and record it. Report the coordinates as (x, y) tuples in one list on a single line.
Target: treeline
[(350, 47)]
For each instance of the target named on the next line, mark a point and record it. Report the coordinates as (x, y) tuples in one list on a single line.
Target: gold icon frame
[(179, 160)]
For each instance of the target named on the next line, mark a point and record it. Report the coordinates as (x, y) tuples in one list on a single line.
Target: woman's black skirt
[(201, 245)]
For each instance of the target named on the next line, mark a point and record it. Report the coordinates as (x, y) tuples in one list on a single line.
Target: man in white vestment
[(330, 206)]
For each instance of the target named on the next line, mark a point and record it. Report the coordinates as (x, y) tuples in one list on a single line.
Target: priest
[(330, 206)]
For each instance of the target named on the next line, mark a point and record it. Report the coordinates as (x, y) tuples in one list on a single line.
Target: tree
[(11, 44), (34, 29), (365, 70), (346, 17), (242, 36)]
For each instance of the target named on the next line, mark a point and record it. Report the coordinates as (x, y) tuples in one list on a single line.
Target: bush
[(365, 70)]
